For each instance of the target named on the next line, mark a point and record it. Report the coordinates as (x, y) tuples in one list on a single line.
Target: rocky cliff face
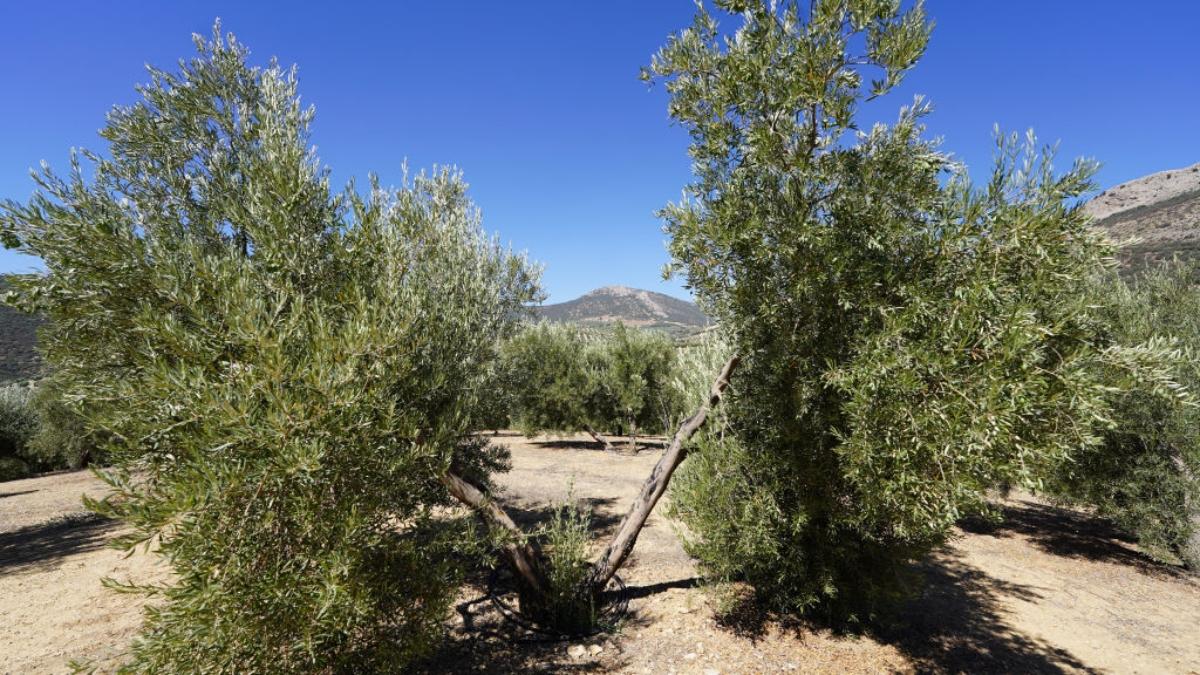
[(1153, 218)]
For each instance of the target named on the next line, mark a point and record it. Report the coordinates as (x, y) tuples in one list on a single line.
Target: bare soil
[(1048, 590)]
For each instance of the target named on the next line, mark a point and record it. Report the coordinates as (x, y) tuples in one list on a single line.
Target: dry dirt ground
[(1049, 590)]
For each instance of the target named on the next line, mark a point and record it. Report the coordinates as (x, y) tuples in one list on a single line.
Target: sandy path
[(52, 557), (1050, 590)]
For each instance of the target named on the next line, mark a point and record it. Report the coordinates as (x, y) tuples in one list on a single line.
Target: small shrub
[(12, 468), (569, 605)]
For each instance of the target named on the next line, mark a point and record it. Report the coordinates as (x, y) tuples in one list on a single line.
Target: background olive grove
[(565, 378)]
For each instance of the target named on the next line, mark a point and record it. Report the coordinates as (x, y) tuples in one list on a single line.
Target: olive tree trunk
[(524, 557), (521, 554), (599, 438), (618, 550)]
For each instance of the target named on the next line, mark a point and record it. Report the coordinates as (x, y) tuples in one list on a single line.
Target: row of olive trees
[(39, 432), (564, 378), (1142, 474)]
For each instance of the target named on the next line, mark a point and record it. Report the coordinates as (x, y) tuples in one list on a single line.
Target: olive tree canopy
[(287, 373), (908, 340)]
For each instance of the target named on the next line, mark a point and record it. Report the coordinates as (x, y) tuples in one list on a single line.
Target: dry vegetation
[(1048, 590)]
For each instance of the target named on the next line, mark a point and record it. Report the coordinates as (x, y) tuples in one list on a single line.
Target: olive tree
[(905, 340), (287, 374), (568, 378), (1143, 473), (901, 341), (555, 379), (18, 427), (635, 371)]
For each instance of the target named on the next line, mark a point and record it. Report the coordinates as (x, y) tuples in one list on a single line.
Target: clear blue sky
[(539, 103)]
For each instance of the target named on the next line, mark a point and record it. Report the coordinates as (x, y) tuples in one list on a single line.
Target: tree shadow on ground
[(620, 446), (502, 433), (16, 494), (569, 444), (1070, 534), (647, 590), (482, 639), (46, 544), (954, 625), (532, 519), (485, 639)]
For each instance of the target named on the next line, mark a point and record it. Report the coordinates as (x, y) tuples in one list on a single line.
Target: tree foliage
[(636, 393), (572, 379), (552, 381), (63, 439), (909, 340), (285, 372), (18, 426), (1143, 473), (39, 432)]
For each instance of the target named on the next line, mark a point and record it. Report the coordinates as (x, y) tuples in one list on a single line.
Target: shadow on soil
[(636, 592), (483, 640), (16, 494), (954, 625), (602, 520), (1070, 534), (45, 544), (620, 445)]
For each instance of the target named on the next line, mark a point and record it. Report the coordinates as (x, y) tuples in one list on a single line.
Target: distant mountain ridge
[(1161, 211), (631, 306)]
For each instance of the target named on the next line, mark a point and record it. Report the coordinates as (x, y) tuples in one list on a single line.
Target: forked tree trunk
[(621, 546), (524, 557), (520, 553), (599, 438)]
